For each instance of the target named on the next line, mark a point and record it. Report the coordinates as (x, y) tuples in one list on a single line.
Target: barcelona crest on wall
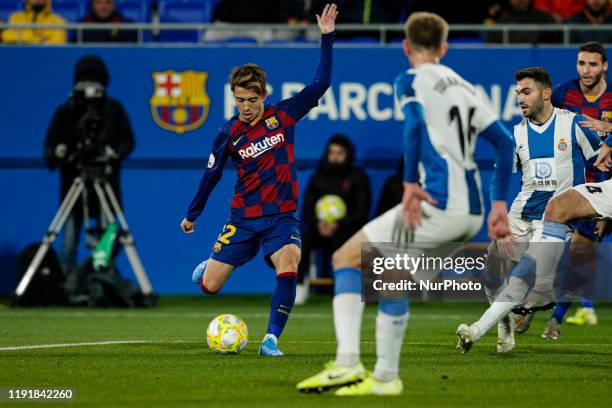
[(180, 102)]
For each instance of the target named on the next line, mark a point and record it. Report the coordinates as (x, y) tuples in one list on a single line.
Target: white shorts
[(599, 195), (437, 226)]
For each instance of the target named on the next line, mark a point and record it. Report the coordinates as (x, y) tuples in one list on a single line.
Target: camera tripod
[(109, 207)]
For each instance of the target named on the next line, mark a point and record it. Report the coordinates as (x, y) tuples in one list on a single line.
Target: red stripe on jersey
[(235, 127), (253, 211), (238, 201), (605, 102), (251, 182), (285, 119), (288, 205), (269, 194), (573, 97), (194, 111), (590, 111), (295, 188), (266, 162), (290, 153), (283, 173)]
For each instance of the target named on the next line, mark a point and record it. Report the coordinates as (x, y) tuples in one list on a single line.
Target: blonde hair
[(426, 31)]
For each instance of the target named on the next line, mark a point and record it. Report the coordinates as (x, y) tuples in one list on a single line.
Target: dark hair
[(426, 30), (249, 76), (594, 46), (538, 74)]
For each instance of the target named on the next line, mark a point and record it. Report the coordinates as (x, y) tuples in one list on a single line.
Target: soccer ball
[(330, 208), (227, 334)]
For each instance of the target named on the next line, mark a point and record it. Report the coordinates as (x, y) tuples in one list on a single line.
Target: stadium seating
[(7, 7), (137, 10), (71, 10), (184, 11)]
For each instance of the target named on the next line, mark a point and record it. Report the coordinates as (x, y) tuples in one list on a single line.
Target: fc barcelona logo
[(179, 102), (606, 116), (271, 123)]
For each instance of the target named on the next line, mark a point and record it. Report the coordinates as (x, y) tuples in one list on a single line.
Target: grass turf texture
[(178, 369)]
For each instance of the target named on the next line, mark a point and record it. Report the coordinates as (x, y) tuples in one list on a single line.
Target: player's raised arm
[(301, 103), (210, 178)]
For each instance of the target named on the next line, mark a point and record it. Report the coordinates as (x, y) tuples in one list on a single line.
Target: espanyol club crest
[(272, 123), (562, 145), (179, 102)]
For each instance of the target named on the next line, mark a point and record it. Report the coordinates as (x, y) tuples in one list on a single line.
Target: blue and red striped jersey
[(263, 154), (569, 96)]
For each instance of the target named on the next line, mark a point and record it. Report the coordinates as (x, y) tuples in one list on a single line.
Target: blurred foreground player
[(260, 142), (444, 116)]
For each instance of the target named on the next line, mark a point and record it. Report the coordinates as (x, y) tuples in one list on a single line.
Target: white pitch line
[(196, 315), (119, 342), (92, 343)]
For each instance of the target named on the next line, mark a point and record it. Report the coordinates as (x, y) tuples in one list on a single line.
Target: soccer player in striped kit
[(260, 142)]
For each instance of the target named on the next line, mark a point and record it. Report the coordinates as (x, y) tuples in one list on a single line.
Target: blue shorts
[(586, 228), (241, 238)]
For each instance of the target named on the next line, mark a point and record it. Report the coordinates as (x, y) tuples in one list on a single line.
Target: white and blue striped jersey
[(551, 158), (448, 115)]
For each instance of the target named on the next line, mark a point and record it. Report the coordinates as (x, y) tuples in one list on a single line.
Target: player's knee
[(341, 259), (209, 289), (556, 210), (291, 257)]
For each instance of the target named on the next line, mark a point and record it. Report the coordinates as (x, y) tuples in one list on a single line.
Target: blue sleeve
[(502, 140), (415, 130), (608, 140), (210, 178), (301, 103)]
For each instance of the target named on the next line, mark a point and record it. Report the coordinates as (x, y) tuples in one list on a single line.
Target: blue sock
[(347, 280), (587, 303), (282, 302), (554, 230), (560, 310)]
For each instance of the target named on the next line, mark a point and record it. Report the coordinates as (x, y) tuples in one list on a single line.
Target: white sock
[(389, 337), (512, 295), (348, 311)]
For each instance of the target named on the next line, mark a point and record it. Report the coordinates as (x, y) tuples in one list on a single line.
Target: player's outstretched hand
[(327, 19), (604, 159), (411, 204), (187, 226), (498, 220), (596, 125)]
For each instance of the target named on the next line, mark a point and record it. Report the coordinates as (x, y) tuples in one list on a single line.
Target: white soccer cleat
[(467, 337), (505, 334)]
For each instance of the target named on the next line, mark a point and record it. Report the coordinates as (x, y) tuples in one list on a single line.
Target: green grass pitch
[(171, 366)]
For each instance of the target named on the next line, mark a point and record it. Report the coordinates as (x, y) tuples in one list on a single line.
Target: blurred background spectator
[(392, 191), (559, 9), (105, 11), (35, 12), (523, 12), (338, 176), (595, 12)]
